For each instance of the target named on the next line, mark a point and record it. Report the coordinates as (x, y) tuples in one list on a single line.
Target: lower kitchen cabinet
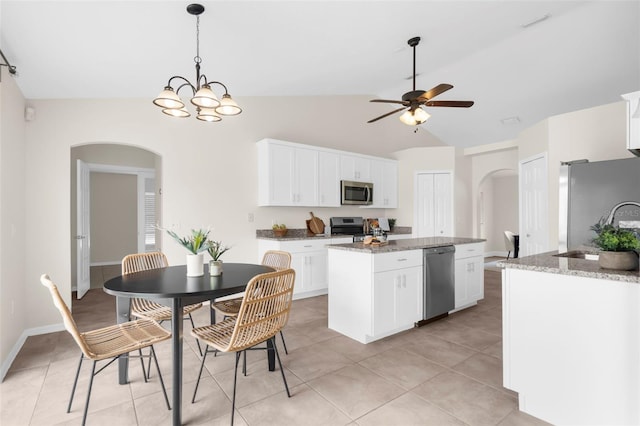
[(397, 300), (308, 259), (469, 274)]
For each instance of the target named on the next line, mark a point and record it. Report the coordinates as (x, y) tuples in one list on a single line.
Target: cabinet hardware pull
[(404, 259), (308, 246)]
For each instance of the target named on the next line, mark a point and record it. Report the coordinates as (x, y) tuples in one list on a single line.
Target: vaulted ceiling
[(582, 55)]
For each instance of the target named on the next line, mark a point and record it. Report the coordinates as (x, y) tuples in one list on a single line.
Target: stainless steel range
[(352, 225)]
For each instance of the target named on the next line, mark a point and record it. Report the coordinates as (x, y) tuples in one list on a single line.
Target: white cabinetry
[(434, 206), (397, 291), (287, 175), (308, 259), (328, 179), (469, 274), (384, 175), (372, 296), (355, 168), (633, 121)]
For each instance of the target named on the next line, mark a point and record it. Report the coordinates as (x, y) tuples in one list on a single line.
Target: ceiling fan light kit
[(414, 100), (208, 106)]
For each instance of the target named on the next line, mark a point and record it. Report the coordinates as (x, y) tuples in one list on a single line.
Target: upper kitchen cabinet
[(328, 179), (356, 168), (384, 175), (287, 175), (633, 122)]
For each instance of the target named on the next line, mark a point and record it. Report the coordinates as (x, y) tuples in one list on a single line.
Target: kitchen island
[(571, 339), (377, 291)]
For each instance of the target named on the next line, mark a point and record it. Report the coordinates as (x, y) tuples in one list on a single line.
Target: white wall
[(113, 217), (13, 226)]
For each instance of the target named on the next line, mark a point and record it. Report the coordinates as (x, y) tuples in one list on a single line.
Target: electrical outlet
[(250, 217)]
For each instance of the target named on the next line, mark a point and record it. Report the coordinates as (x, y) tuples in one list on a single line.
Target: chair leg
[(152, 353), (144, 373), (283, 343), (204, 357), (197, 341), (86, 404), (75, 382), (275, 348), (244, 363), (508, 254), (235, 380)]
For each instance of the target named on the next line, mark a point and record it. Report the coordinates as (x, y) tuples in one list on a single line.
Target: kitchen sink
[(576, 254)]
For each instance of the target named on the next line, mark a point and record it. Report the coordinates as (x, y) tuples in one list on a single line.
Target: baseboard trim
[(36, 331), (112, 263), (495, 254)]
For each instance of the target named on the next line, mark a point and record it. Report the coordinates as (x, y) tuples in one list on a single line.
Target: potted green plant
[(392, 223), (195, 243), (618, 246), (216, 250)]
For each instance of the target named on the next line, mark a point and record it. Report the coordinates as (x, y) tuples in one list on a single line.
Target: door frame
[(142, 174)]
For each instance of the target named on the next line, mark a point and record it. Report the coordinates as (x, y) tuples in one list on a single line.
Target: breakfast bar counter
[(571, 339)]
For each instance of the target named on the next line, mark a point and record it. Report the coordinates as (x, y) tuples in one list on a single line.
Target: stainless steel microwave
[(356, 193)]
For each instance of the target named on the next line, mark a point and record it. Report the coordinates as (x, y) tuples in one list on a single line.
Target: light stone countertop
[(547, 262), (408, 244)]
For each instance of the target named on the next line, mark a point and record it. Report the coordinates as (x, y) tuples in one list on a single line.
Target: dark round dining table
[(171, 287)]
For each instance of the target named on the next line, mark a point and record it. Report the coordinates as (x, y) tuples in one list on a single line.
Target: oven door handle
[(368, 194)]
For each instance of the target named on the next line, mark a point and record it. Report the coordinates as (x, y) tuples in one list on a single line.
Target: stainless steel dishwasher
[(439, 292)]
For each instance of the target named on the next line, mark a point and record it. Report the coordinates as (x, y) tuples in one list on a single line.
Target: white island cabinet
[(571, 340), (374, 296), (469, 274)]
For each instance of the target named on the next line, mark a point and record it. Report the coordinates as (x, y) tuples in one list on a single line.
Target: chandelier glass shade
[(414, 117), (208, 106)]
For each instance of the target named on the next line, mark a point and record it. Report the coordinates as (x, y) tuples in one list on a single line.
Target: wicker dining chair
[(276, 259), (109, 343), (147, 309), (264, 311)]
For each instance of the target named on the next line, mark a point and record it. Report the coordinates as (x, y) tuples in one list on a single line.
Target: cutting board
[(316, 225)]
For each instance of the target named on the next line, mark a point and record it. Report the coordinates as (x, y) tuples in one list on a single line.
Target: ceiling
[(585, 54)]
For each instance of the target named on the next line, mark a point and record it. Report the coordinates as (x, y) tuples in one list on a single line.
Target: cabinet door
[(298, 263), (409, 300), (328, 179), (389, 185), (461, 294), (317, 270), (281, 170), (305, 178), (353, 167), (469, 281), (384, 288)]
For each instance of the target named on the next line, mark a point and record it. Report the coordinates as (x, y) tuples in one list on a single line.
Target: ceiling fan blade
[(455, 104), (432, 93), (386, 115), (387, 101)]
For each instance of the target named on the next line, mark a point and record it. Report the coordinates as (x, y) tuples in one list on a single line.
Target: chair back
[(277, 259), (265, 309), (69, 323), (509, 240), (143, 262)]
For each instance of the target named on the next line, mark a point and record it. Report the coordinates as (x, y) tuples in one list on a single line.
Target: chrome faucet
[(616, 207)]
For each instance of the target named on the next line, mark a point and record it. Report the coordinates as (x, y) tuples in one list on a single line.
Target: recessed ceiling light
[(510, 120), (536, 21)]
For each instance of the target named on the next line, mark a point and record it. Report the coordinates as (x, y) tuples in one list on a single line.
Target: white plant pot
[(215, 268), (195, 265)]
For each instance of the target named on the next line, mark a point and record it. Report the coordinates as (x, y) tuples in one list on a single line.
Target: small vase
[(215, 268), (195, 265), (619, 260)]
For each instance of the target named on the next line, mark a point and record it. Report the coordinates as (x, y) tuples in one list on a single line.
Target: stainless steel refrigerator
[(590, 191)]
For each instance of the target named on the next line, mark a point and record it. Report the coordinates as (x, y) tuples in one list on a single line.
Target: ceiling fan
[(413, 101)]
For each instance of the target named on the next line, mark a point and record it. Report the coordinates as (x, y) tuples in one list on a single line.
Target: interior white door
[(434, 208), (443, 209), (83, 237), (425, 206), (534, 215)]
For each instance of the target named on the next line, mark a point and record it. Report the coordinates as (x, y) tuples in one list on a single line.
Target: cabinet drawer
[(469, 250), (304, 245), (397, 260)]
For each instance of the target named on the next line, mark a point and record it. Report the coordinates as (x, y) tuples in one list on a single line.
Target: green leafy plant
[(195, 243), (392, 222), (612, 238), (216, 249), (279, 226)]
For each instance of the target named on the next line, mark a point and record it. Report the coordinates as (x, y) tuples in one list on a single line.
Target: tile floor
[(446, 373)]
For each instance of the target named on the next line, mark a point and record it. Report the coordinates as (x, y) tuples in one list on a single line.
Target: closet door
[(434, 205)]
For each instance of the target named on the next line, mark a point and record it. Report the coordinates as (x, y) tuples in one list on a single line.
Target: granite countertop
[(547, 262), (304, 234), (408, 244)]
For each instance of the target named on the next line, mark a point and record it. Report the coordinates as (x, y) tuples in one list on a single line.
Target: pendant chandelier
[(208, 107)]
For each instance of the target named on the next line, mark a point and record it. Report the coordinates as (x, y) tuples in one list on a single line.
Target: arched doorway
[(497, 207), (123, 187)]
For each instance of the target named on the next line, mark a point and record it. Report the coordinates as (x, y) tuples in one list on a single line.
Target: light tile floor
[(445, 373)]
